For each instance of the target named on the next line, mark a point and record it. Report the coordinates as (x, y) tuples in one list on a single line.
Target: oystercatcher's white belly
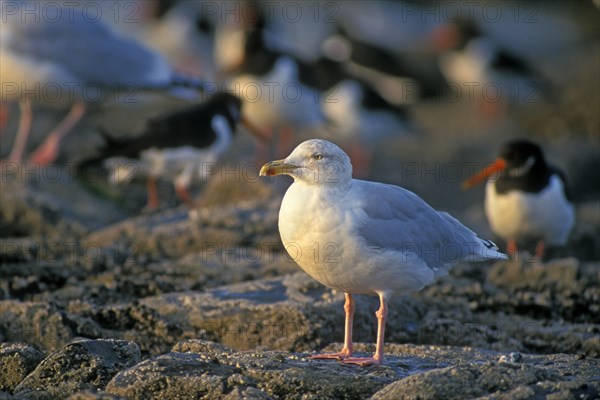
[(517, 215)]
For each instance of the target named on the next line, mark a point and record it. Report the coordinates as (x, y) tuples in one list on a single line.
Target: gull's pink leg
[(4, 117), (184, 195), (262, 150), (361, 158), (285, 140), (540, 249), (378, 356), (491, 110), (152, 190), (512, 249), (347, 349), (25, 120), (48, 150)]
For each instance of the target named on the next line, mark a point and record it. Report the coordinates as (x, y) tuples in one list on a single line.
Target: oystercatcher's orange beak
[(485, 173)]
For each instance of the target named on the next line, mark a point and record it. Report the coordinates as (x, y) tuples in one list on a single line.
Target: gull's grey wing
[(399, 220), (87, 49)]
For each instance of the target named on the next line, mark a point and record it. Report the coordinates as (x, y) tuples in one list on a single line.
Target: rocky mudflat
[(204, 303), (101, 299)]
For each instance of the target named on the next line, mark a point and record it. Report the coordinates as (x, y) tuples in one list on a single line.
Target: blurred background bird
[(268, 80), (526, 199), (502, 78), (394, 83), (182, 146), (68, 60)]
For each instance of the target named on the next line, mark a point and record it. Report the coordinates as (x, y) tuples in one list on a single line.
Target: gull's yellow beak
[(277, 167)]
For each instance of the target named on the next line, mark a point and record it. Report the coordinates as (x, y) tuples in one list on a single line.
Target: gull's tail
[(474, 248)]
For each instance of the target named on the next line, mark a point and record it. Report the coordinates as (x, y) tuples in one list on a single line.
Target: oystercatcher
[(526, 198), (181, 146)]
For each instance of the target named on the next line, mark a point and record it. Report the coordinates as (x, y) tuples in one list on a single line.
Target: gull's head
[(314, 161)]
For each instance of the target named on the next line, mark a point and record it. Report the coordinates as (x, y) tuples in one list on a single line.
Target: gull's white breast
[(320, 232)]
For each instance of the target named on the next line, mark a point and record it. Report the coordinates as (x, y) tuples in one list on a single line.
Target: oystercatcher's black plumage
[(191, 126), (178, 146)]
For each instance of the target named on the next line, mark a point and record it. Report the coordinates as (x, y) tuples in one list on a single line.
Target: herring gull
[(362, 237)]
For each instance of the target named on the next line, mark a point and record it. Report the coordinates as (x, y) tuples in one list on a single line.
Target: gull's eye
[(317, 156)]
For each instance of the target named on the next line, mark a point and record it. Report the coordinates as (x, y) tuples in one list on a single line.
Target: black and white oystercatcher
[(179, 146), (526, 198)]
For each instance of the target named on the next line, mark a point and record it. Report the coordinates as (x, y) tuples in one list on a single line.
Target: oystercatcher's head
[(517, 159), (520, 157), (230, 106), (228, 103)]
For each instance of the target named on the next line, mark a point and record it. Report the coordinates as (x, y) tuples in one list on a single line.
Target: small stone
[(78, 366), (16, 362)]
